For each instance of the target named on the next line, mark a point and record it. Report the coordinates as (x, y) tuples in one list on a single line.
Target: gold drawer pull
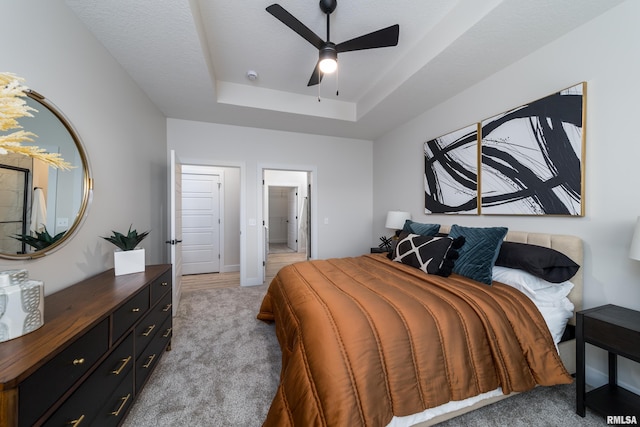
[(167, 308), (148, 331), (77, 422), (78, 362), (166, 334), (124, 363), (124, 402), (146, 365), (164, 284), (135, 310)]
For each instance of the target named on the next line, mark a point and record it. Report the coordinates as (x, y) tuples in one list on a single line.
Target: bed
[(372, 341)]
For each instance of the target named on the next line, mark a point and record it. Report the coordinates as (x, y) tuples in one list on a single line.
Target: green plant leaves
[(40, 240), (126, 242)]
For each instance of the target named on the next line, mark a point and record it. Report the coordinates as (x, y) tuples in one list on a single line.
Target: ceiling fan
[(327, 50)]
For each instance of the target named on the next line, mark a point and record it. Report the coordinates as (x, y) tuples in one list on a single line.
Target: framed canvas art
[(451, 172), (532, 157)]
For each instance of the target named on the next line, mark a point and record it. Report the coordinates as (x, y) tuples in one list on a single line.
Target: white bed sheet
[(452, 406)]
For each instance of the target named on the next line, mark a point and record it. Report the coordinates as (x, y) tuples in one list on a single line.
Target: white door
[(175, 232), (292, 219), (200, 223)]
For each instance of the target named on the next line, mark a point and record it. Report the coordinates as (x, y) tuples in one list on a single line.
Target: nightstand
[(617, 330)]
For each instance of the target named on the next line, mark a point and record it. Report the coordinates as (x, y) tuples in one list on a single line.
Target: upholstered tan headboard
[(571, 246)]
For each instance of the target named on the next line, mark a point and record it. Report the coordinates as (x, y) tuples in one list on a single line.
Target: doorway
[(286, 218), (283, 220), (201, 219)]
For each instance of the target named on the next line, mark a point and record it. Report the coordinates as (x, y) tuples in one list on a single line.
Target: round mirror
[(41, 206)]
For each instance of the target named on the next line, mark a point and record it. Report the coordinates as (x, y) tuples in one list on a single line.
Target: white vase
[(21, 304), (127, 262)]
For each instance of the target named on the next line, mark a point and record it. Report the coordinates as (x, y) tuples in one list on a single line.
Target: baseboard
[(596, 378), (230, 268)]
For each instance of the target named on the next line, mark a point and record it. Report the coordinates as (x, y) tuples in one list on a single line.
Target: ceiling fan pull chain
[(319, 90), (338, 81)]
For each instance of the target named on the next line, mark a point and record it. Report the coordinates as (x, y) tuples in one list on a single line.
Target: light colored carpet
[(224, 367), (222, 370)]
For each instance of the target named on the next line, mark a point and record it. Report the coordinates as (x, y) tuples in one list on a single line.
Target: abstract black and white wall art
[(532, 157), (451, 172), (527, 161)]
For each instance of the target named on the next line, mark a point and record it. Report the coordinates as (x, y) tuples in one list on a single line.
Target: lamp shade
[(634, 250), (396, 219)]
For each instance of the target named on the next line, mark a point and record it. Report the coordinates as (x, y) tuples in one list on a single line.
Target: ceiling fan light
[(328, 59), (328, 65)]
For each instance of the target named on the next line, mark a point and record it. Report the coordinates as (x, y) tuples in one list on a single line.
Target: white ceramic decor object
[(21, 304), (126, 262)]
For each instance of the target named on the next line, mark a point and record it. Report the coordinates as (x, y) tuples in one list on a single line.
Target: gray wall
[(604, 54), (342, 176), (123, 133)]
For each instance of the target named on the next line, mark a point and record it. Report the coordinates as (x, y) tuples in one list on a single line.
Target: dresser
[(100, 341)]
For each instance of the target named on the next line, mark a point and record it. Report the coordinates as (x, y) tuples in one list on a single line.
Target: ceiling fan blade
[(292, 22), (316, 76), (382, 38)]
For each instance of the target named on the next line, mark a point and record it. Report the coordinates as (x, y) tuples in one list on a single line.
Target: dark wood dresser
[(101, 339)]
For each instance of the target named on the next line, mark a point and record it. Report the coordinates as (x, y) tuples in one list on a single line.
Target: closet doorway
[(286, 218), (201, 219)]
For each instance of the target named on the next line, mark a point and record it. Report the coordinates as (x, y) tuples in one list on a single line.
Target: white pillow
[(535, 287), (550, 298)]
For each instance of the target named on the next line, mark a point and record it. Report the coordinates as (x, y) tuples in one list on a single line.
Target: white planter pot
[(127, 262)]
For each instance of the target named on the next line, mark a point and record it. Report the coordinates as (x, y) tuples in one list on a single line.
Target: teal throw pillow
[(479, 252), (420, 228)]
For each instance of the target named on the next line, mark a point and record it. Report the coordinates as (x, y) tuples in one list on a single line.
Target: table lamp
[(395, 221)]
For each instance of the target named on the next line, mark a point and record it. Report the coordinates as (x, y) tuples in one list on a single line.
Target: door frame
[(242, 167), (312, 181), (175, 228)]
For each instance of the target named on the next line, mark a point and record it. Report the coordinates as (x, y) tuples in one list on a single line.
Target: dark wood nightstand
[(617, 330)]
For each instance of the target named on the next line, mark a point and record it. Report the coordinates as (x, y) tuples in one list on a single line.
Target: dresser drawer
[(45, 386), (149, 358), (612, 337), (160, 286), (150, 325), (117, 406), (130, 313), (98, 390), (166, 330)]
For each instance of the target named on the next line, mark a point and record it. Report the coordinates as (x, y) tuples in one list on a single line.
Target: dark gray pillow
[(545, 263)]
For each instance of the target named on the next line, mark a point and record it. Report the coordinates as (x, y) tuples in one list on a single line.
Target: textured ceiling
[(191, 57)]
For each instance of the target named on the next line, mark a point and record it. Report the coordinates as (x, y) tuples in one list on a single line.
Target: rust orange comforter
[(366, 338)]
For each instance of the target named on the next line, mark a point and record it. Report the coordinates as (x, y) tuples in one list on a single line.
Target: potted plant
[(129, 257)]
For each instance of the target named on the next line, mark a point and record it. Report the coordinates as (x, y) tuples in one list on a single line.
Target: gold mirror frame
[(87, 182)]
